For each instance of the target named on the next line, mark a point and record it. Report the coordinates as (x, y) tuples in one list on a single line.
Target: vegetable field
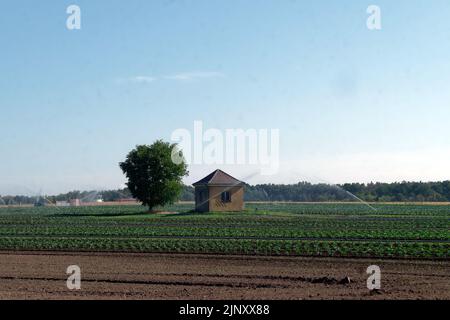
[(332, 230)]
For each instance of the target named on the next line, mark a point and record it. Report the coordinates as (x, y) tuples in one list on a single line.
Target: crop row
[(257, 247), (237, 220), (342, 209), (264, 232)]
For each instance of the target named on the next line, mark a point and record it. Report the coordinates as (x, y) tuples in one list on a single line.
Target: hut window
[(226, 196)]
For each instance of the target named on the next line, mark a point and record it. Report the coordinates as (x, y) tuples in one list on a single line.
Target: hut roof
[(218, 178)]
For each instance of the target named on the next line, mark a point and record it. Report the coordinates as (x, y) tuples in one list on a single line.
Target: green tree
[(153, 178)]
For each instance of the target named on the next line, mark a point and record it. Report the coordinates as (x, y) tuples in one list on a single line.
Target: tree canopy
[(153, 177)]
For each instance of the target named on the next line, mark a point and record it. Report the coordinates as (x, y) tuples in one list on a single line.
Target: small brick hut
[(219, 192)]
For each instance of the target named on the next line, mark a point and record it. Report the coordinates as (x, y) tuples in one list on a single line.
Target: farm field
[(407, 231), (134, 276)]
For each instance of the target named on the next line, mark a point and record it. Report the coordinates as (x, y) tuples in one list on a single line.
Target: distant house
[(219, 192), (62, 204), (75, 202)]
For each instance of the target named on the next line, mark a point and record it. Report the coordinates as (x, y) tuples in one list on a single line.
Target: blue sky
[(351, 104)]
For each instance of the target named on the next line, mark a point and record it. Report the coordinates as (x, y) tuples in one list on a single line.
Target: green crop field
[(337, 230)]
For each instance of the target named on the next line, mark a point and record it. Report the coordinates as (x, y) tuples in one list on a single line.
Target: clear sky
[(351, 104)]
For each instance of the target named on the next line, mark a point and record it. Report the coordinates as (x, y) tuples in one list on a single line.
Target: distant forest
[(371, 192), (300, 192)]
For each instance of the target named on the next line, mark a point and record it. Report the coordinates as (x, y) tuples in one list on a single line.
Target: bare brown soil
[(30, 275)]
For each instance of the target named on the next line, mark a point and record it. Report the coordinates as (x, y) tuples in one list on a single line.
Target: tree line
[(371, 192), (300, 192)]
